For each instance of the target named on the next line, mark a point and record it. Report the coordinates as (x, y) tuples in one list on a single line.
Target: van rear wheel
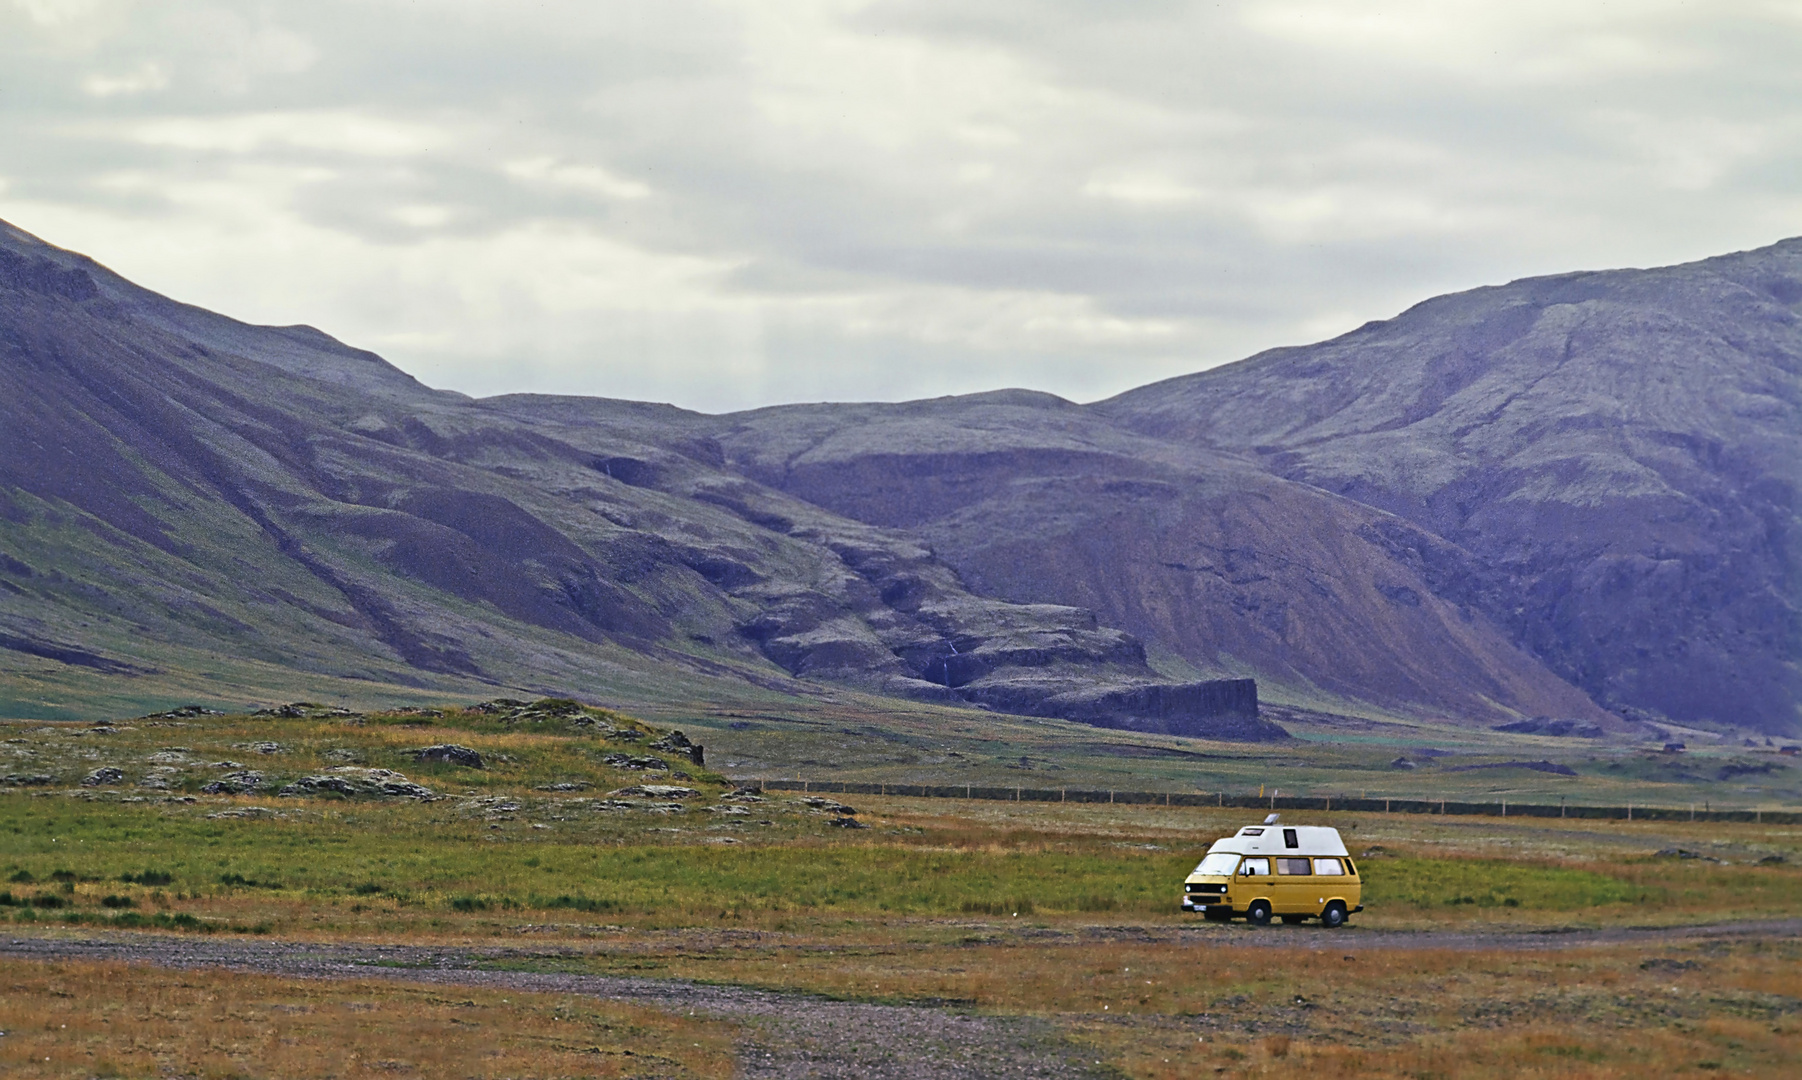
[(1258, 914), (1334, 916)]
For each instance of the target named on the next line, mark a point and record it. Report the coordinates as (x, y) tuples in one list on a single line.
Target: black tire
[(1334, 916), (1294, 920), (1258, 914)]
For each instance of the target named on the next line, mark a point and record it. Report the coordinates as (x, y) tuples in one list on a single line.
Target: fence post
[(1504, 807), (1385, 806)]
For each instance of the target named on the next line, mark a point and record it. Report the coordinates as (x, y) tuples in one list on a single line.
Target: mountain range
[(1570, 497)]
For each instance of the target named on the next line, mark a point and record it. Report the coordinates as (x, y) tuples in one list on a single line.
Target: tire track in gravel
[(788, 1035)]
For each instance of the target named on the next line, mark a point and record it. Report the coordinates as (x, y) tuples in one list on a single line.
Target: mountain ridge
[(169, 476)]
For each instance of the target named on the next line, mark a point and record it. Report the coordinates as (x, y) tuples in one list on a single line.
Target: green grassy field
[(1067, 911), (542, 828)]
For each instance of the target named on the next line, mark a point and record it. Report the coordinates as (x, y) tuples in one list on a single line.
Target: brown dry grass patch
[(114, 1020)]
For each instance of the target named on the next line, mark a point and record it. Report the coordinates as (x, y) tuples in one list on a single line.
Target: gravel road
[(789, 1035), (800, 1035)]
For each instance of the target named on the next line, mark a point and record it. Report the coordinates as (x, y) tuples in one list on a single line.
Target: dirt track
[(801, 1035), (790, 1035)]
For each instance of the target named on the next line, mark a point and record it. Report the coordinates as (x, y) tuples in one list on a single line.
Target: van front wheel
[(1334, 916), (1258, 914)]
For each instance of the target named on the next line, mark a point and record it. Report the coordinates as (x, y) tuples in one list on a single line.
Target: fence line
[(1323, 803)]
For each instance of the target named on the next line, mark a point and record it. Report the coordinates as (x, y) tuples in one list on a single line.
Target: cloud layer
[(730, 205)]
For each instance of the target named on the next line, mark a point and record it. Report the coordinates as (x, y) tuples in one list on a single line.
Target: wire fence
[(1318, 803)]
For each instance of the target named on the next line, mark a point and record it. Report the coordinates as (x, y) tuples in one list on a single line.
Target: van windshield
[(1220, 862)]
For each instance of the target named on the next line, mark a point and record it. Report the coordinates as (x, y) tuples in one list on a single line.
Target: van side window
[(1351, 867), (1289, 839), (1254, 868), (1329, 867), (1292, 866)]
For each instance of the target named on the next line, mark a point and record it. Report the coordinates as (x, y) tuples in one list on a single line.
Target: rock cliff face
[(1223, 567), (1492, 508), (1619, 453)]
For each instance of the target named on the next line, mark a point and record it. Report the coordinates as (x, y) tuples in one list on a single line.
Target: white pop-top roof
[(1274, 840)]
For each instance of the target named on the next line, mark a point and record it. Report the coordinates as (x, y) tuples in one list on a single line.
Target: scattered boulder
[(847, 823), (676, 742), (185, 712), (655, 791), (1772, 860), (353, 782), (237, 783), (452, 753), (829, 805), (512, 711), (578, 785), (1402, 763), (106, 774), (307, 710), (263, 747), (159, 778), (1375, 851), (743, 796), (25, 780), (627, 761), (497, 706)]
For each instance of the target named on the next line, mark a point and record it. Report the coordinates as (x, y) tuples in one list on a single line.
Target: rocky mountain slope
[(181, 490), (1620, 453)]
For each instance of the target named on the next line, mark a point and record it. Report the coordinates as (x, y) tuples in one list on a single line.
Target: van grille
[(1199, 888)]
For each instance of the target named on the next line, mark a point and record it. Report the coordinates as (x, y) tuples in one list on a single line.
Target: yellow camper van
[(1295, 872)]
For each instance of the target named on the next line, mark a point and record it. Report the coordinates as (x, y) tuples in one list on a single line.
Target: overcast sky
[(727, 205)]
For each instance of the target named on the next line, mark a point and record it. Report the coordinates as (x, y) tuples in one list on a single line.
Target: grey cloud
[(729, 206)]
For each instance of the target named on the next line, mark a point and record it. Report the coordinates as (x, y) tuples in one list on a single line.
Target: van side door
[(1294, 886), (1253, 880)]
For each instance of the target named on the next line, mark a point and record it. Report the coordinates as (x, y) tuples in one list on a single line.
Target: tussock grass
[(69, 1019)]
